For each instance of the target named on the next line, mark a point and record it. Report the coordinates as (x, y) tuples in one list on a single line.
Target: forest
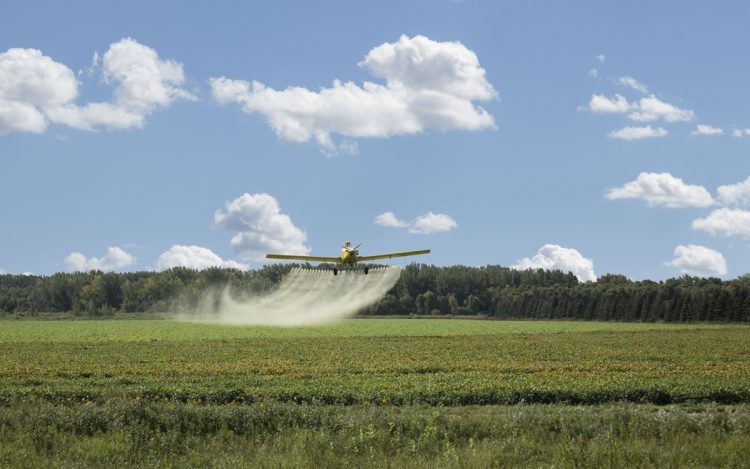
[(490, 291)]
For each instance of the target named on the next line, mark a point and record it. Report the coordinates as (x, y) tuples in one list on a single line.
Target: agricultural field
[(375, 391)]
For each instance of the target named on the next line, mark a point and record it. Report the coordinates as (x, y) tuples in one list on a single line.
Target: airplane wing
[(392, 254), (295, 257)]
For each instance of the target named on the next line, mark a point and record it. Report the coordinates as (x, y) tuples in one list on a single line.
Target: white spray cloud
[(115, 259), (194, 257), (662, 189), (428, 85), (726, 221), (35, 90), (555, 257), (424, 224), (699, 261), (305, 297), (260, 227)]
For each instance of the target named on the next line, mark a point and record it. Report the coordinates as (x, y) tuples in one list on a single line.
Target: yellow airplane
[(349, 257)]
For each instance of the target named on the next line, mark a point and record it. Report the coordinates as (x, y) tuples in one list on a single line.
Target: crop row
[(651, 366)]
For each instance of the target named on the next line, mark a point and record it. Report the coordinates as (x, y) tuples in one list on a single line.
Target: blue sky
[(500, 141)]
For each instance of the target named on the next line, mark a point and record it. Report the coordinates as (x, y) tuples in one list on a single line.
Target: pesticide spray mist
[(304, 297)]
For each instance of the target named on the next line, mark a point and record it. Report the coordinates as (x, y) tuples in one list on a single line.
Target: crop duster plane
[(348, 258)]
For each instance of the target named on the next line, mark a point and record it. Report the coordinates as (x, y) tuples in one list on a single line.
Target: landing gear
[(367, 269), (335, 271)]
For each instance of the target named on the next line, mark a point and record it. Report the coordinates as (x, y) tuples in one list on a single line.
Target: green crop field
[(375, 392)]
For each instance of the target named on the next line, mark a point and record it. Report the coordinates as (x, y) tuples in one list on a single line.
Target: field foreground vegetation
[(375, 392)]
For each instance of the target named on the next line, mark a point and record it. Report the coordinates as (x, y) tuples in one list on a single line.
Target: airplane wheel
[(367, 269), (335, 271)]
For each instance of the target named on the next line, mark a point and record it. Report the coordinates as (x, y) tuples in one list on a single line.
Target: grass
[(117, 330), (374, 393), (285, 435)]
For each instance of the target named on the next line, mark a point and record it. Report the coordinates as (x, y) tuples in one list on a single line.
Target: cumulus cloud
[(260, 227), (699, 261), (145, 83), (735, 194), (703, 129), (115, 259), (594, 72), (428, 85), (30, 83), (726, 221), (740, 132), (631, 82), (601, 58), (389, 219), (35, 90), (555, 257), (193, 257), (638, 133), (652, 108), (662, 189), (602, 104), (424, 224)]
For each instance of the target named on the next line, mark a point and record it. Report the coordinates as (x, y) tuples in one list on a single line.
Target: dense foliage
[(491, 290), (148, 434)]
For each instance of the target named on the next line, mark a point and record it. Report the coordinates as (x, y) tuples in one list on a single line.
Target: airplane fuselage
[(348, 256)]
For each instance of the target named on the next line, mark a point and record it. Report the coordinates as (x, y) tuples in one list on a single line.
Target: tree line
[(493, 291)]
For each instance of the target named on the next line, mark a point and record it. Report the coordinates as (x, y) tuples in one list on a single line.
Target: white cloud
[(30, 83), (193, 257), (260, 227), (2, 272), (726, 221), (631, 82), (594, 72), (389, 219), (662, 189), (34, 89), (94, 115), (703, 129), (699, 261), (652, 108), (600, 104), (601, 58), (115, 259), (432, 223), (428, 85), (555, 257), (740, 132), (145, 83), (638, 133), (424, 224), (735, 194)]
